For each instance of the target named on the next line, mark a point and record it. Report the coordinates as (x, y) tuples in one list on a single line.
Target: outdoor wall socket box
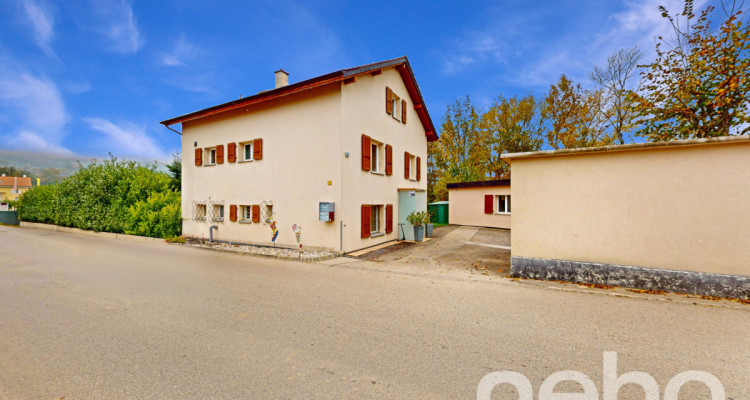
[(326, 211)]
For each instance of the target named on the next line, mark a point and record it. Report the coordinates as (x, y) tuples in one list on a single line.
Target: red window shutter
[(489, 204), (256, 213), (233, 213), (258, 149), (389, 218), (388, 159), (403, 111), (419, 169), (232, 152), (406, 165), (365, 221), (365, 153), (388, 101), (220, 154), (198, 157)]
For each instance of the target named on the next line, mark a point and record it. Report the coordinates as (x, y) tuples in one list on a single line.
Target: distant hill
[(49, 167)]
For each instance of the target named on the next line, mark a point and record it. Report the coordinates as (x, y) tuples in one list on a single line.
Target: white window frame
[(218, 213), (377, 157), (396, 105), (200, 212), (412, 167), (506, 204), (243, 145), (246, 214), (376, 210), (210, 153)]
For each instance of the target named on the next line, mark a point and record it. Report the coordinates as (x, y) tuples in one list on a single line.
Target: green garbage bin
[(438, 212)]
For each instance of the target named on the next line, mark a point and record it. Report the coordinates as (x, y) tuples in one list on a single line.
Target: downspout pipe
[(211, 233)]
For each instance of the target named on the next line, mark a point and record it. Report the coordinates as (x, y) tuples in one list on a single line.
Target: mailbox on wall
[(326, 211)]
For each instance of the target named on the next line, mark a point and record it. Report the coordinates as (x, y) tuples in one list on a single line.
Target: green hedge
[(38, 205), (110, 196)]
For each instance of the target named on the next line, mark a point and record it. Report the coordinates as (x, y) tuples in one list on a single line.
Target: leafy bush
[(417, 218), (176, 239), (157, 216), (38, 204), (109, 196)]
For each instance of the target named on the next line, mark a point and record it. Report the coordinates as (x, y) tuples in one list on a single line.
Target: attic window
[(396, 101)]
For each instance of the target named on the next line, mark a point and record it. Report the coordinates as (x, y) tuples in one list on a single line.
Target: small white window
[(218, 213), (503, 204), (211, 156), (200, 211), (412, 167), (396, 107), (376, 157), (247, 213), (375, 219), (247, 151)]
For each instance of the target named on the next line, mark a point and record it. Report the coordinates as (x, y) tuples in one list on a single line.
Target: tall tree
[(698, 86), (576, 117), (614, 78), (511, 125), (175, 172), (457, 156)]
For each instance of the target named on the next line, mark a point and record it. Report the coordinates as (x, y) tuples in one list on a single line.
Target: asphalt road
[(91, 318)]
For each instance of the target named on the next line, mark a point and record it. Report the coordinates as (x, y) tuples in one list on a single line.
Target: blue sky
[(96, 77)]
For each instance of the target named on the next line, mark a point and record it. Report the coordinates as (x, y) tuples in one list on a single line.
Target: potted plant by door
[(427, 225), (416, 218)]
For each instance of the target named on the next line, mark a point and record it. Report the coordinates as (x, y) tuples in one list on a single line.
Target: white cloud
[(538, 56), (182, 53), (32, 141), (33, 109), (641, 22), (42, 20), (118, 25), (127, 140), (475, 47)]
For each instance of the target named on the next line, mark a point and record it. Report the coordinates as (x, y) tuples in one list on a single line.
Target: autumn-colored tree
[(698, 85), (576, 117), (511, 125), (457, 156), (614, 78)]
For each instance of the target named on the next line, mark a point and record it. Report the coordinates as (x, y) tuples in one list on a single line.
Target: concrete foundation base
[(700, 283)]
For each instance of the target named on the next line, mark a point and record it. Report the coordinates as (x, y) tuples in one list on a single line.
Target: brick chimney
[(282, 78)]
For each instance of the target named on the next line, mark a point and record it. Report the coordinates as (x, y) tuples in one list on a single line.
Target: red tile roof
[(401, 64), (8, 181)]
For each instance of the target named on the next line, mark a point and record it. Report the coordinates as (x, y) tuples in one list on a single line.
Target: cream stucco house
[(342, 155), (480, 203)]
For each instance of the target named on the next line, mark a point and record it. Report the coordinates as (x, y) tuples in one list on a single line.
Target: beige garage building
[(482, 203), (668, 215)]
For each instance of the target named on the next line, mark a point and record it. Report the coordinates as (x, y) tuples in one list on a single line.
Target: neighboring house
[(348, 147), (11, 188), (665, 215), (481, 203)]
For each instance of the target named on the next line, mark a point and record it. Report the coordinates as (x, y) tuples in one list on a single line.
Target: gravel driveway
[(481, 250)]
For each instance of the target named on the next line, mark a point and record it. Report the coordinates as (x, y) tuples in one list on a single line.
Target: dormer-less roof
[(345, 75), (15, 181)]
